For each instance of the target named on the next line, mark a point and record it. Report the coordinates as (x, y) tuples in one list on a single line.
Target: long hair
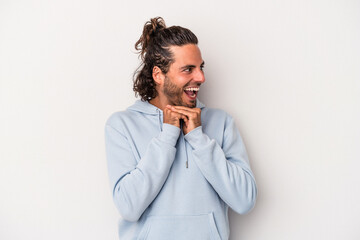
[(154, 49)]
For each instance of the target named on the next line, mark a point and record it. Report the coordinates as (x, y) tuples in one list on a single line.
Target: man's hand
[(172, 117), (191, 116)]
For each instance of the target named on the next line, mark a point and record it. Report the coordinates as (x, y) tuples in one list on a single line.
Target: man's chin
[(192, 104), (189, 104)]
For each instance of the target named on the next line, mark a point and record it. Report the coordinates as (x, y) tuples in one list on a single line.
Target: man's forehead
[(187, 54)]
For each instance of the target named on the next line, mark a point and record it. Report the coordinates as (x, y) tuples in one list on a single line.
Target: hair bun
[(149, 31)]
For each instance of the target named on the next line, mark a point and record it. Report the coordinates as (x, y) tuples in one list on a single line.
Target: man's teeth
[(192, 89)]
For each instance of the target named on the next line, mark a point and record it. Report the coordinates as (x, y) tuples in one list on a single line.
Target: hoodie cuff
[(169, 134), (196, 138)]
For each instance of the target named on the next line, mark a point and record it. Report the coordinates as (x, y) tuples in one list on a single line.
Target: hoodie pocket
[(199, 227)]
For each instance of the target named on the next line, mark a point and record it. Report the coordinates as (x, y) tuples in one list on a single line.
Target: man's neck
[(158, 103)]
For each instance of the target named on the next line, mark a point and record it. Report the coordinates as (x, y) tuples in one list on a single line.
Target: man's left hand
[(192, 118)]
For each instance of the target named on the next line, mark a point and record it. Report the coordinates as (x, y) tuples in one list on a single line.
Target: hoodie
[(167, 185)]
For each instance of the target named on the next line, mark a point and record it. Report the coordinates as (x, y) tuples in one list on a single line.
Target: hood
[(147, 108)]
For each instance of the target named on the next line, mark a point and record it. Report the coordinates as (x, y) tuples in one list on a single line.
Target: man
[(175, 166)]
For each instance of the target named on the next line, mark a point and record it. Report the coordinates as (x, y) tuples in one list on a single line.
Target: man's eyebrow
[(192, 66), (187, 66)]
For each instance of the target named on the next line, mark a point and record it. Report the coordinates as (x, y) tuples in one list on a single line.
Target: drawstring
[(187, 158), (183, 140), (160, 122), (182, 136)]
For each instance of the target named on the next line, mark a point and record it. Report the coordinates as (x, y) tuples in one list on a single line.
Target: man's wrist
[(169, 134)]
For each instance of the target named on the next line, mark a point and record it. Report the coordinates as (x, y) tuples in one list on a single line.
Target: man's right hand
[(171, 117)]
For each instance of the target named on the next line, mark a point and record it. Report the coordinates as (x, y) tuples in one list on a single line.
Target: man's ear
[(158, 75)]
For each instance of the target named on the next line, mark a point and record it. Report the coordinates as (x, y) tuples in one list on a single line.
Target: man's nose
[(199, 77)]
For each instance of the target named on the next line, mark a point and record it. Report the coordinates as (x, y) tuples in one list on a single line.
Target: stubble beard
[(174, 94)]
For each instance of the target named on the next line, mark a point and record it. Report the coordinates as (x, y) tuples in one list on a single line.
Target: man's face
[(185, 75)]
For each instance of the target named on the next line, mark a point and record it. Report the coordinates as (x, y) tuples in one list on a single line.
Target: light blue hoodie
[(175, 187)]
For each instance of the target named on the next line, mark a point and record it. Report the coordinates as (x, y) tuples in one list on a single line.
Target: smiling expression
[(182, 82)]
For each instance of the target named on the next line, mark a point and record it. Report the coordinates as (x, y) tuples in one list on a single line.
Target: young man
[(175, 166)]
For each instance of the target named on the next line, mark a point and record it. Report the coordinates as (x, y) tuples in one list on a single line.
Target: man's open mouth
[(191, 91)]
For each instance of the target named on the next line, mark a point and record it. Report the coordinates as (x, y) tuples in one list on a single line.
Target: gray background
[(287, 70)]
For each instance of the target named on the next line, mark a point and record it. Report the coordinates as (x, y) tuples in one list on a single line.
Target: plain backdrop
[(288, 71)]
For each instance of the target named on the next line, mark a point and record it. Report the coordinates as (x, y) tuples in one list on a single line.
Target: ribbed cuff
[(169, 134), (196, 138)]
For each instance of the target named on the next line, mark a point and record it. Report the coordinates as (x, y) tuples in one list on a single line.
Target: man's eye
[(187, 69), (202, 68)]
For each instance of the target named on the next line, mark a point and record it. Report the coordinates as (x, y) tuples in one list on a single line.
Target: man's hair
[(154, 48)]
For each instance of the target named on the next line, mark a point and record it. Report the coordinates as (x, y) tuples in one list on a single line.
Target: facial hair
[(174, 94)]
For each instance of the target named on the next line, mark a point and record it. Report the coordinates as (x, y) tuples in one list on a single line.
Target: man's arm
[(136, 184), (225, 167)]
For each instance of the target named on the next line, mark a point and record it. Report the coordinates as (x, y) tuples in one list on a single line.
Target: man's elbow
[(246, 204), (245, 207), (129, 214), (127, 209)]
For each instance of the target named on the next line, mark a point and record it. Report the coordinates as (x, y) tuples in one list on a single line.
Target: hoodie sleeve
[(226, 168), (135, 183)]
